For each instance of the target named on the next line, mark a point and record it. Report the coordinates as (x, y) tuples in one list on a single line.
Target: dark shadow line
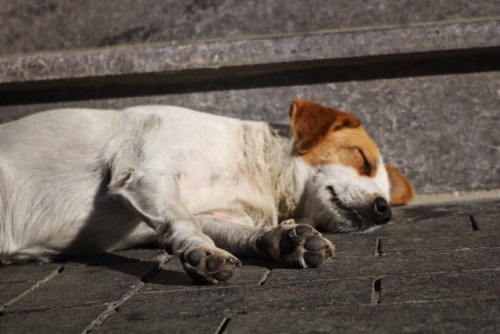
[(258, 76)]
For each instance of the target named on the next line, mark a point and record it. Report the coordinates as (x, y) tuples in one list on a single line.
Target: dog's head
[(350, 188)]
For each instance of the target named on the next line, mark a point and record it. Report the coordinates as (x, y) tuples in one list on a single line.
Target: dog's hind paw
[(206, 266), (301, 244)]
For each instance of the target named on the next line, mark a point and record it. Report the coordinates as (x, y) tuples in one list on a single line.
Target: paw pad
[(303, 230), (207, 266), (314, 243), (303, 245), (194, 257), (214, 263), (314, 260)]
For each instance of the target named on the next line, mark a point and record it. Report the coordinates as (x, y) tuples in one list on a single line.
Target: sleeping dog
[(82, 181)]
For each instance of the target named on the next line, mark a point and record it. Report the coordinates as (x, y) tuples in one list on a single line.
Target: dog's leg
[(294, 244), (155, 198)]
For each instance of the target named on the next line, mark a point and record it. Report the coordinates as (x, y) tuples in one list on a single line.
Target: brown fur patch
[(312, 122), (324, 136), (402, 191), (350, 147)]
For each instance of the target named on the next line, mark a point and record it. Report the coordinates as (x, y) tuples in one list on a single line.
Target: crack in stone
[(473, 223), (223, 325), (378, 247), (112, 309), (52, 308), (114, 306), (35, 286), (377, 291), (264, 277)]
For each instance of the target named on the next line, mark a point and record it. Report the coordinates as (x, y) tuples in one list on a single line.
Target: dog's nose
[(382, 211)]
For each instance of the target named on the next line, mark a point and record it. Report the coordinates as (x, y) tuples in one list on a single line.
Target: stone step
[(268, 54)]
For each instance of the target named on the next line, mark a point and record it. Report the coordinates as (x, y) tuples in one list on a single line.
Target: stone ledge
[(455, 197), (335, 47)]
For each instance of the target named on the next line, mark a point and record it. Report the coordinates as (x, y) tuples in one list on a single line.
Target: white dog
[(80, 181)]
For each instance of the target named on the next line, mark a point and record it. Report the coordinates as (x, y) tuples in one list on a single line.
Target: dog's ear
[(312, 122), (402, 191)]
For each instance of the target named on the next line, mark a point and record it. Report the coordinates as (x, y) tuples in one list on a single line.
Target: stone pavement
[(435, 268)]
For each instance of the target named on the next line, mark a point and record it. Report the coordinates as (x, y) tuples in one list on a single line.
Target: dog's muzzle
[(377, 212)]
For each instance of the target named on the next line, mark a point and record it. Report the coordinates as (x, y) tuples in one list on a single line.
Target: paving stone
[(466, 259), (27, 272), (65, 320), (465, 209), (353, 244), (432, 243), (454, 224), (156, 323), (125, 256), (395, 264), (446, 223), (487, 222), (446, 218), (225, 301), (153, 254), (9, 291), (471, 316), (462, 285), (458, 209), (81, 285), (491, 206), (171, 276)]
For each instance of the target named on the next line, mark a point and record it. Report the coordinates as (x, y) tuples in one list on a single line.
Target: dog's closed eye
[(367, 166)]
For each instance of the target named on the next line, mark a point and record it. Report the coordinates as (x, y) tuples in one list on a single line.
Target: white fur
[(381, 180), (86, 181)]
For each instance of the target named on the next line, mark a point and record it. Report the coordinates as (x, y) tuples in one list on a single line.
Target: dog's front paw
[(303, 245), (207, 266)]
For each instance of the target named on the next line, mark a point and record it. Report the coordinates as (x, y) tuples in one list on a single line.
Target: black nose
[(382, 211)]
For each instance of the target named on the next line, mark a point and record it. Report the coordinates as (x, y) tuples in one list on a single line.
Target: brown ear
[(311, 123), (402, 190)]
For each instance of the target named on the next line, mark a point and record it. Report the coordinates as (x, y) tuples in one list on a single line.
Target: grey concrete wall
[(33, 25)]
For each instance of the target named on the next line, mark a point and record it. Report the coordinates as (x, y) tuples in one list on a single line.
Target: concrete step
[(428, 93), (225, 58)]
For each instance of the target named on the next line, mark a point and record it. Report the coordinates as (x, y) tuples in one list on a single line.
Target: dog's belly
[(203, 189)]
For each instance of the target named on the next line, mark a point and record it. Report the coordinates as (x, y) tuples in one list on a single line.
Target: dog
[(209, 188)]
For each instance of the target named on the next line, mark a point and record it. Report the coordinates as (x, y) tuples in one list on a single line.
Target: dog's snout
[(382, 211)]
